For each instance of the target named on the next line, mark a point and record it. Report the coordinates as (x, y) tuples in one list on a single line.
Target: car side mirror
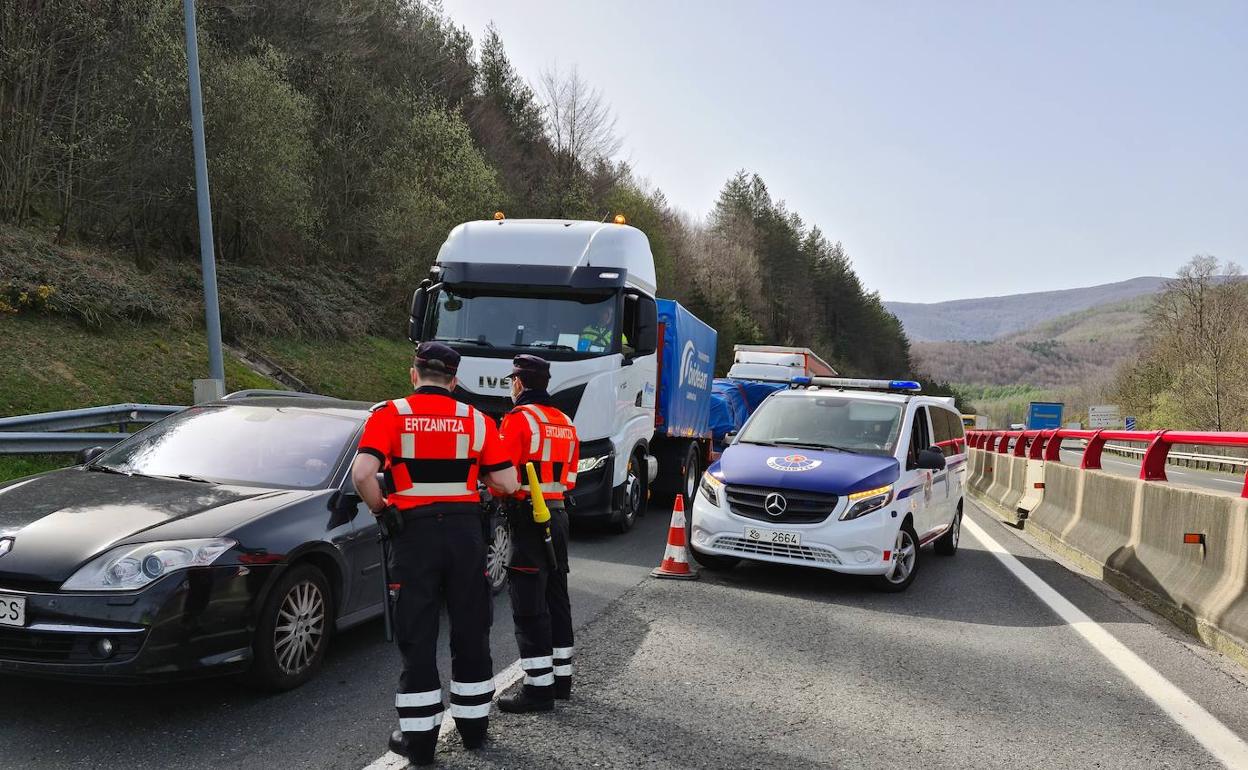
[(344, 502), (90, 453), (730, 437), (931, 459)]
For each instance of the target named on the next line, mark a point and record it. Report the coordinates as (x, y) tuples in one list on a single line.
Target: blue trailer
[(682, 430)]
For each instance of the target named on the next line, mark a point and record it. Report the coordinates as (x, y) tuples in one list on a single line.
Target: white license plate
[(12, 610), (776, 536)]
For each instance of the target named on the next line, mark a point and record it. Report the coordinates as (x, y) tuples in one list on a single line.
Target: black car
[(224, 538)]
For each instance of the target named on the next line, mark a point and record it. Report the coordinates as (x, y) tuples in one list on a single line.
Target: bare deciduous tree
[(578, 118)]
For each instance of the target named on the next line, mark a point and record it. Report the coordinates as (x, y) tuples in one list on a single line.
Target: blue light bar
[(909, 386), (798, 382)]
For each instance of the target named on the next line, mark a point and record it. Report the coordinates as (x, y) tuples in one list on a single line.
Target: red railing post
[(1092, 453), (1020, 446), (1053, 447), (1153, 467), (1037, 447)]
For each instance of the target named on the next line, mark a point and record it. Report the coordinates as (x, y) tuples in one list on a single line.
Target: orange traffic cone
[(676, 557)]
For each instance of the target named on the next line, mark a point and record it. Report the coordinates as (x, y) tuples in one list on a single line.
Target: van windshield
[(826, 422), (573, 323)]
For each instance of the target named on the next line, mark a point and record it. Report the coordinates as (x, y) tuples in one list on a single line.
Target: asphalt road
[(763, 666), (1126, 466), (339, 720), (768, 667)]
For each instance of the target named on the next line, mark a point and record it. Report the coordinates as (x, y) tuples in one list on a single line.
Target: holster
[(391, 522)]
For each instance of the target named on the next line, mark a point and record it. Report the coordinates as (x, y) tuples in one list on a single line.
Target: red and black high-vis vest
[(433, 448), (544, 436)]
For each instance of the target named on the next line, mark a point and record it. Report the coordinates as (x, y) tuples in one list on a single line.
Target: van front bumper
[(856, 547)]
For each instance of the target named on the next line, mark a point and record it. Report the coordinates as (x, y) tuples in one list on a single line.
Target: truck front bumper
[(591, 497)]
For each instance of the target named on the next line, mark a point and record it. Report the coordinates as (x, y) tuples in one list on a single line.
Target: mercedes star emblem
[(775, 504)]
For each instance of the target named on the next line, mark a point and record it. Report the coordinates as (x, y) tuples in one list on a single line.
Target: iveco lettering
[(847, 475)]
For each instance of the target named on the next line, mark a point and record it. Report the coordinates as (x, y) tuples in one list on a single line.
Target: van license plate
[(12, 610), (775, 536)]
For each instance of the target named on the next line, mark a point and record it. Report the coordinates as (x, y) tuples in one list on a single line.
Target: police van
[(848, 475)]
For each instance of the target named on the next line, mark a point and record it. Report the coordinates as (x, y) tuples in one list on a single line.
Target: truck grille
[(748, 548), (57, 647), (801, 507)]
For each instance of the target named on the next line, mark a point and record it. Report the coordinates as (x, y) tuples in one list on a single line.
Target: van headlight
[(866, 501), (130, 567), (710, 487), (587, 464)]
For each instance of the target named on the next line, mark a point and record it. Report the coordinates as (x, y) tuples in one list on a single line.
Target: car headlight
[(587, 464), (130, 567), (866, 501), (710, 487)]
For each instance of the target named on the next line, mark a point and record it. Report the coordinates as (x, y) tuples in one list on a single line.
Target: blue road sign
[(1129, 422), (1043, 415)]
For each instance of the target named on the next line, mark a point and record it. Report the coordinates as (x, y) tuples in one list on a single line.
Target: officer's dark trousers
[(440, 559), (539, 602)]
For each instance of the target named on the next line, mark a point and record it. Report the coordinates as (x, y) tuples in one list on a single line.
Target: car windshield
[(831, 422), (248, 445), (571, 323)]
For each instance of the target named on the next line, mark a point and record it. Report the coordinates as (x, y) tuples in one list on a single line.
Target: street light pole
[(212, 313)]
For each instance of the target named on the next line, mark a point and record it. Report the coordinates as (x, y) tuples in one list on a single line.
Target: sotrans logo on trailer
[(793, 463), (690, 371)]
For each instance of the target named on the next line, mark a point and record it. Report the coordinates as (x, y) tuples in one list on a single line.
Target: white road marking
[(1224, 745), (502, 680)]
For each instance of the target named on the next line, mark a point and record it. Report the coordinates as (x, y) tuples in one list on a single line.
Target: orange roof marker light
[(499, 216), (620, 220)]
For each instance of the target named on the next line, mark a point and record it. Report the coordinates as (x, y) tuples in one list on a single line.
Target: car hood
[(60, 520), (808, 470)]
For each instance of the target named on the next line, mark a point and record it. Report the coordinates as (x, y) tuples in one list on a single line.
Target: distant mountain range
[(993, 318)]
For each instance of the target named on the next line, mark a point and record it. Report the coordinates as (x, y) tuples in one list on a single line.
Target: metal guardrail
[(54, 432)]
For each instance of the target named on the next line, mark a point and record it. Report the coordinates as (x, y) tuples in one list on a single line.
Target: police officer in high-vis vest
[(536, 432), (433, 450)]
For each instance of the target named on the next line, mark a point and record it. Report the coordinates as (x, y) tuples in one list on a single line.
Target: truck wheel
[(633, 496)]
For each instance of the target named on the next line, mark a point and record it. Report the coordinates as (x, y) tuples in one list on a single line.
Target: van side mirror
[(931, 459), (90, 453), (416, 314), (730, 437), (647, 326)]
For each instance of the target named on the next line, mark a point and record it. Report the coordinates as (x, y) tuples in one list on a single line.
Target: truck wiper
[(547, 345), (466, 341)]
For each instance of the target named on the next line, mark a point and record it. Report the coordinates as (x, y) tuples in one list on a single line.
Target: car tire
[(905, 565), (293, 631), (498, 555), (947, 544), (714, 563), (633, 496)]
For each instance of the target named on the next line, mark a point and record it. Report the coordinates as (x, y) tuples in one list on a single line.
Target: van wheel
[(947, 544), (905, 563), (714, 563), (633, 495)]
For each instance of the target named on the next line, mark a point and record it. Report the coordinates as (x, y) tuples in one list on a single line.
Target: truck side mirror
[(647, 326), (416, 314)]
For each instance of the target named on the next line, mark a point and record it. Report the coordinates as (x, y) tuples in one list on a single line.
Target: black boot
[(419, 751), (528, 700), (563, 688), (473, 732)]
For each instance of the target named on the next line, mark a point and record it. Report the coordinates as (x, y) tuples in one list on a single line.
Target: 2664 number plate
[(775, 536)]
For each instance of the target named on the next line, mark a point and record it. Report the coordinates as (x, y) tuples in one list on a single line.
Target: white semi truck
[(583, 296)]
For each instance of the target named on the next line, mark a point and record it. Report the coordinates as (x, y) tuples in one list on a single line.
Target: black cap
[(533, 371), (437, 357)]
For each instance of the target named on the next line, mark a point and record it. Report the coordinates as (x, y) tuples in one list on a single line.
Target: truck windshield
[(825, 422), (573, 323)]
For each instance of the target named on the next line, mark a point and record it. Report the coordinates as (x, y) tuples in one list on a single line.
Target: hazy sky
[(957, 149)]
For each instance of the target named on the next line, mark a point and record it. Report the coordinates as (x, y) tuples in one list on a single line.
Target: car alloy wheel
[(497, 556), (300, 629), (905, 551)]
